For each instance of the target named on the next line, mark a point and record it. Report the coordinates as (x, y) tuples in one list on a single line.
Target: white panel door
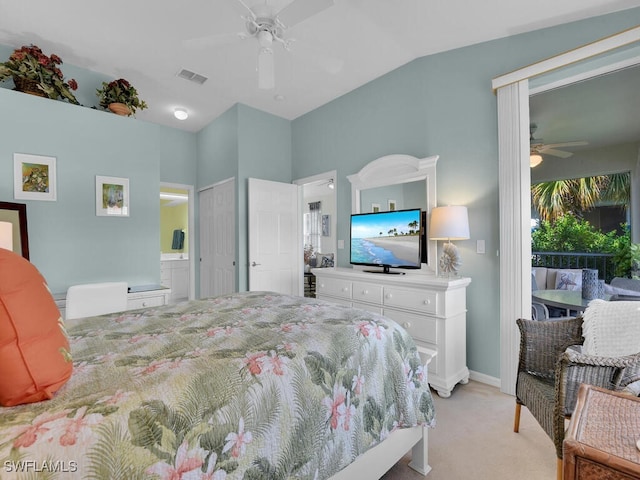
[(275, 249), (217, 239)]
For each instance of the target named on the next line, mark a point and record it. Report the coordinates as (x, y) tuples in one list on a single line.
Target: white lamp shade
[(6, 235), (449, 223)]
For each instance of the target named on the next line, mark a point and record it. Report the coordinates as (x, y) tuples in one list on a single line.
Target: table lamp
[(449, 223)]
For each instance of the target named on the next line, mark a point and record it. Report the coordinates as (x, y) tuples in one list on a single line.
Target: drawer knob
[(407, 325), (345, 289), (365, 292), (427, 302), (389, 295), (144, 304)]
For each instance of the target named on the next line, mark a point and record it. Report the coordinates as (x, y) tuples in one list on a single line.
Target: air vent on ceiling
[(192, 77)]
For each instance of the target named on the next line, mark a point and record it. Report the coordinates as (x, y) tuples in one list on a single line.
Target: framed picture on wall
[(392, 205), (375, 207), (112, 196), (34, 177)]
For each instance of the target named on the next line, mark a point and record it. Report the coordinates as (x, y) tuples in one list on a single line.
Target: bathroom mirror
[(398, 182)]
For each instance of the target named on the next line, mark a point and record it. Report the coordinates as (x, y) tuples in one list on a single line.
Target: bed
[(254, 385)]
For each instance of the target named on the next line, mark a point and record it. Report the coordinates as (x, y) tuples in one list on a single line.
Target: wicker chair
[(550, 373)]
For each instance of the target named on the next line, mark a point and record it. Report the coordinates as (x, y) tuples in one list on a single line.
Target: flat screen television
[(387, 239)]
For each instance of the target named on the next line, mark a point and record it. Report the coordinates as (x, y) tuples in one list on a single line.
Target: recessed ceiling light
[(180, 113)]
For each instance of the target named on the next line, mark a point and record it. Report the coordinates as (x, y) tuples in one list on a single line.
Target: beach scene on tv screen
[(391, 238)]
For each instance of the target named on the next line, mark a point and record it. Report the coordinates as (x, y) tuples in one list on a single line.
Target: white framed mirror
[(398, 182)]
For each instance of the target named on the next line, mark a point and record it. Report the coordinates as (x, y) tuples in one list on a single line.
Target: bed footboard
[(377, 461)]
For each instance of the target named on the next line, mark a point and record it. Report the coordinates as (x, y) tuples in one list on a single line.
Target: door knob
[(254, 264)]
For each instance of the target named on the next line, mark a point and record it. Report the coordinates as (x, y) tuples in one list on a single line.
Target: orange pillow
[(34, 350)]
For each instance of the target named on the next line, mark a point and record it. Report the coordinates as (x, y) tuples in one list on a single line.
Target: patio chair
[(552, 366)]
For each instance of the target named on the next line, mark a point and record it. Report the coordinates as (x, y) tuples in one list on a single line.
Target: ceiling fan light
[(181, 113), (535, 160)]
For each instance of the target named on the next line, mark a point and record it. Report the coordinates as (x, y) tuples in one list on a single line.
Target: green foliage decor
[(120, 91), (30, 63)]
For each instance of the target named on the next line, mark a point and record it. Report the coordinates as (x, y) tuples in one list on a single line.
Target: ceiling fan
[(268, 26), (537, 148)]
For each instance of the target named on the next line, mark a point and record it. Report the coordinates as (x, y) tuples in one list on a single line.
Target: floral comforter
[(253, 385)]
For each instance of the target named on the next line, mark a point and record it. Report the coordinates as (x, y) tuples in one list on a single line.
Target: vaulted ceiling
[(334, 51)]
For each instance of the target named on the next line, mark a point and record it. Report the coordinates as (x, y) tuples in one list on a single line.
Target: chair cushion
[(34, 351), (611, 329)]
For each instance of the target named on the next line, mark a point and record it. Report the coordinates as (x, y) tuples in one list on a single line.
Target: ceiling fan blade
[(565, 144), (266, 69), (556, 153), (300, 10)]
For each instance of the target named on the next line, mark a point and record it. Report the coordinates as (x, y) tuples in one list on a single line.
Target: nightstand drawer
[(421, 300), (367, 292), (134, 303), (334, 287), (419, 327)]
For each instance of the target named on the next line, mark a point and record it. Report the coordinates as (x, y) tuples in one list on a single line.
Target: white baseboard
[(482, 378)]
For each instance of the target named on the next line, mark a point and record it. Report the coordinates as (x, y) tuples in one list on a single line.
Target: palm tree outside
[(562, 206)]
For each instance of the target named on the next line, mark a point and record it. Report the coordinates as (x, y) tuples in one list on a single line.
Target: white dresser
[(432, 309)]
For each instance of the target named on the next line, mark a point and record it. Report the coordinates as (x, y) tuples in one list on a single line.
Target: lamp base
[(449, 260)]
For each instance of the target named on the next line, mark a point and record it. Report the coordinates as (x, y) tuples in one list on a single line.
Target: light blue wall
[(441, 105), (243, 143), (68, 243)]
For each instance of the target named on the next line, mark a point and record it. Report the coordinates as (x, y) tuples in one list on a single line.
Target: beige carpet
[(474, 439)]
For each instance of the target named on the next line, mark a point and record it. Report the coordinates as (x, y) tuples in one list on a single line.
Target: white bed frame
[(376, 461)]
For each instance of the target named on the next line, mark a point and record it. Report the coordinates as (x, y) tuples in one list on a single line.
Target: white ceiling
[(335, 51)]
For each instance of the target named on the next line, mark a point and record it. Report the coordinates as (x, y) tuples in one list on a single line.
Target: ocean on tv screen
[(390, 238)]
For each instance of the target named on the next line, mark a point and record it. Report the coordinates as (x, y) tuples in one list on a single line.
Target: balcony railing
[(603, 262)]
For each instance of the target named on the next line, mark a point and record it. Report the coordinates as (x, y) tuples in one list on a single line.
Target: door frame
[(320, 177), (191, 232), (512, 90)]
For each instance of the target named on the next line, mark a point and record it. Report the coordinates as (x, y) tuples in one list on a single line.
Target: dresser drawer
[(334, 287), (134, 303), (420, 300), (367, 292), (419, 327)]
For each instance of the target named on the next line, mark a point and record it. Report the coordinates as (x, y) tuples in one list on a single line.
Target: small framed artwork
[(112, 196), (34, 177), (325, 225), (375, 207), (392, 205)]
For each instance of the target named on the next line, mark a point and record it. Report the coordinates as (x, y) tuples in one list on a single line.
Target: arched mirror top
[(415, 176), (394, 170)]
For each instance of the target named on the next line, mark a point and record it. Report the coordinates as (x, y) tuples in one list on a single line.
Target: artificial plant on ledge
[(34, 72), (120, 92)]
